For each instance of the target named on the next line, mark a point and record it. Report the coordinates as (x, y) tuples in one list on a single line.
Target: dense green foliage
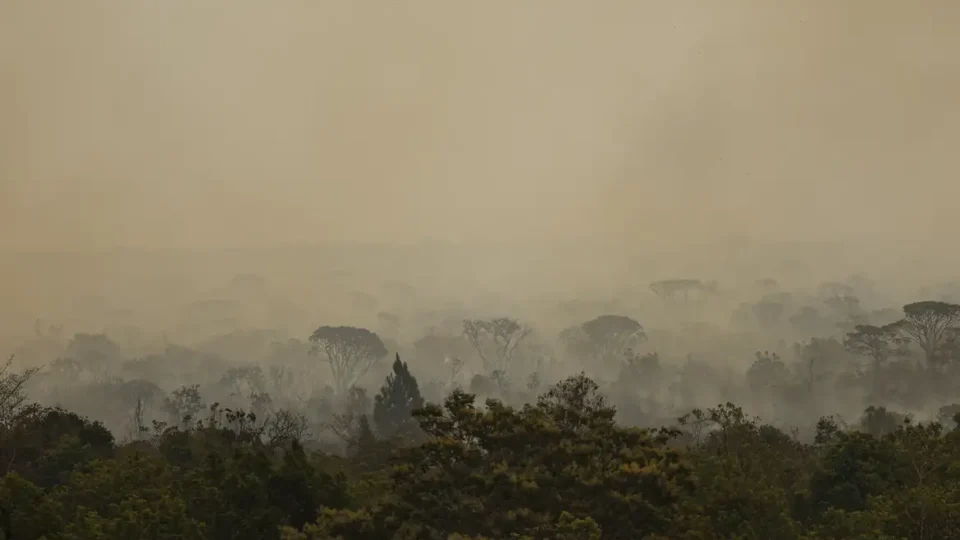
[(558, 468)]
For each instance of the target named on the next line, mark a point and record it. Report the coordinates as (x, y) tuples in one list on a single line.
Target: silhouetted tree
[(394, 405), (605, 338), (927, 324), (350, 352), (13, 396)]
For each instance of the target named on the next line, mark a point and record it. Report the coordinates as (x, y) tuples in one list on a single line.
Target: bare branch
[(12, 394)]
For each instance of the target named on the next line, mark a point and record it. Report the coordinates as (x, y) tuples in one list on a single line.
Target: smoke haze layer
[(172, 124), (629, 127)]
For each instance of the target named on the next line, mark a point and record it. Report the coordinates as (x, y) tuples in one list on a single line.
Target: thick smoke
[(614, 142)]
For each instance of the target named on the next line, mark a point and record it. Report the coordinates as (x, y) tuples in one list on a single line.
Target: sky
[(183, 124)]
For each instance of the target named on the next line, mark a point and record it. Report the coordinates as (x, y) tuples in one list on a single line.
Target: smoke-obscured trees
[(816, 356), (929, 324), (767, 372), (683, 290), (183, 404), (768, 312), (878, 343), (350, 351), (352, 425), (496, 341), (606, 338), (94, 353), (447, 350)]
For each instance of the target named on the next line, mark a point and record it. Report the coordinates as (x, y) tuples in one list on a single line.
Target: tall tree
[(879, 343), (350, 352), (505, 333), (604, 338), (393, 407), (928, 324)]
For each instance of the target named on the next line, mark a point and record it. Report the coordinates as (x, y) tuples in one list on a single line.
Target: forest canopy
[(256, 450)]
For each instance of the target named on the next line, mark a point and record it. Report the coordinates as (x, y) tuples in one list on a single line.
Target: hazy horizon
[(607, 133)]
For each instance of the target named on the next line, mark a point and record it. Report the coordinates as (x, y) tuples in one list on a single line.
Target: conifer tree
[(394, 405)]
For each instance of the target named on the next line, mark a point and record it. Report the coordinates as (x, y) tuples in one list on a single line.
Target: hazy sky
[(186, 123)]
